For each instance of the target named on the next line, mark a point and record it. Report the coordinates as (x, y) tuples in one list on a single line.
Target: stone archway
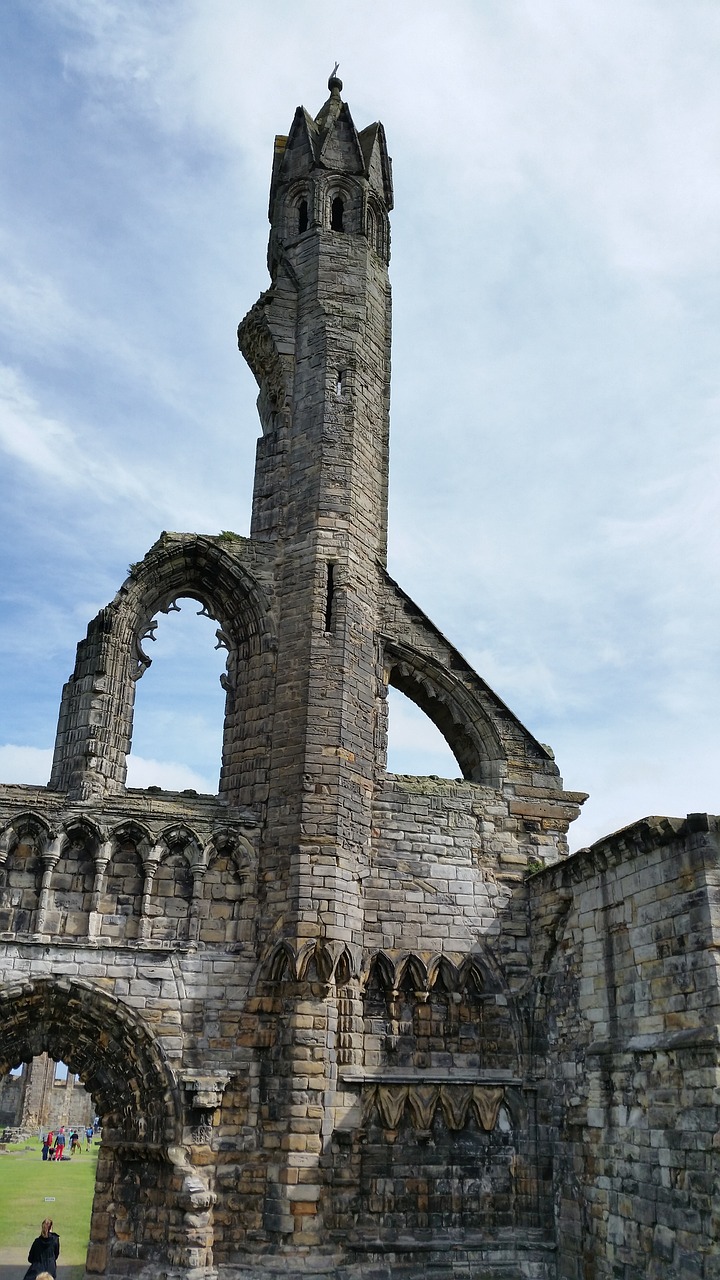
[(145, 1187)]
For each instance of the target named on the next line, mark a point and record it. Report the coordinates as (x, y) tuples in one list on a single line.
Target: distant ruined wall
[(12, 1091), (35, 1100)]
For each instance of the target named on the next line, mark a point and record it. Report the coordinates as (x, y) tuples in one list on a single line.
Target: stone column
[(49, 858), (101, 866), (197, 870), (151, 867)]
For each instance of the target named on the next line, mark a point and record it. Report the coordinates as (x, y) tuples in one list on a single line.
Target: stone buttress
[(337, 1021)]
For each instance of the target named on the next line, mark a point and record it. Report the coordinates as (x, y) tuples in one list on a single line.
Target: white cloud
[(32, 765), (33, 312), (169, 775), (28, 765), (554, 484), (41, 443), (51, 449), (632, 773)]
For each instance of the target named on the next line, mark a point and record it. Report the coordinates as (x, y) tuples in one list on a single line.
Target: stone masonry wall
[(625, 938)]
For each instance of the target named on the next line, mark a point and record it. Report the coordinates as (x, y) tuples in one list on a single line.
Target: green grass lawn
[(26, 1183)]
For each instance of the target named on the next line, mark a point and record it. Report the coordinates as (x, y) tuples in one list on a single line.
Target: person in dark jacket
[(43, 1253)]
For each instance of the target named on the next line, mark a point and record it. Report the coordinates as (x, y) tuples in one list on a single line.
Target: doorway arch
[(144, 1176)]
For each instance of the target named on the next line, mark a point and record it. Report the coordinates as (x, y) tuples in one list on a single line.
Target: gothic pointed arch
[(73, 878), (180, 838), (95, 726), (447, 702), (279, 964), (379, 973), (224, 902), (120, 889), (22, 843), (131, 831), (80, 829), (169, 903), (490, 744), (443, 974), (410, 972), (28, 824)]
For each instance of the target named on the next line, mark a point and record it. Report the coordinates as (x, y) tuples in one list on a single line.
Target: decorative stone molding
[(326, 962), (419, 1102)]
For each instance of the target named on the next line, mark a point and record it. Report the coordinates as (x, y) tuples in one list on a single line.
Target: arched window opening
[(71, 887), (171, 898), (180, 705), (330, 598), (120, 902), (371, 227), (221, 916), (45, 1119), (415, 745), (20, 881), (302, 217), (337, 214)]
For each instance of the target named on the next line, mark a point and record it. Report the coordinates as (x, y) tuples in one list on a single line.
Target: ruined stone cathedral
[(338, 1022)]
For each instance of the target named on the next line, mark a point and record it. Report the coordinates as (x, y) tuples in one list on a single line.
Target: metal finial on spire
[(335, 82)]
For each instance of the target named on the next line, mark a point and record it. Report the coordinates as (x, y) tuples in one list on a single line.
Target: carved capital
[(205, 1093)]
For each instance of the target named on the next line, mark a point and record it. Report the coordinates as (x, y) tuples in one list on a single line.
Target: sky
[(555, 459)]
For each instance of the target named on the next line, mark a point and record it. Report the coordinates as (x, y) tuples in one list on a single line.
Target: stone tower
[(318, 342), (335, 1021)]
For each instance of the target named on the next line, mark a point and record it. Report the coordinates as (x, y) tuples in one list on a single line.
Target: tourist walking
[(43, 1253)]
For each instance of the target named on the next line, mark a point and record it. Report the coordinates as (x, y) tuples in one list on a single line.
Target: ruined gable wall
[(625, 939), (446, 856)]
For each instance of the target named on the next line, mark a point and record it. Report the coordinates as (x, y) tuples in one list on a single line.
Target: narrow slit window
[(371, 229), (302, 217), (337, 214), (330, 597), (340, 382)]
